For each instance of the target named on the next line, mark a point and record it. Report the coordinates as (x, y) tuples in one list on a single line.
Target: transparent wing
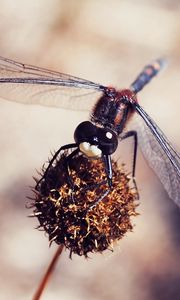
[(161, 156), (32, 85)]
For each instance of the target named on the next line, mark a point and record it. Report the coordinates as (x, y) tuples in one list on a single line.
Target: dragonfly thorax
[(113, 110), (95, 141)]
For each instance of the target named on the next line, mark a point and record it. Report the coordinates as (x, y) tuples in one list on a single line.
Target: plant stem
[(48, 274)]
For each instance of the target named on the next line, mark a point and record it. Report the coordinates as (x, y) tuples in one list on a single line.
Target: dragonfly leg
[(65, 147), (66, 164), (108, 170), (133, 134)]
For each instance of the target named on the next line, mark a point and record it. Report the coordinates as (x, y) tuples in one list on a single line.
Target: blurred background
[(106, 42)]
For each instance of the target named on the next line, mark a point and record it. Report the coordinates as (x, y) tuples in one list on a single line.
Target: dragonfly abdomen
[(147, 74)]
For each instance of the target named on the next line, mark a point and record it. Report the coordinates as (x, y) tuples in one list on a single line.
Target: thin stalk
[(48, 274)]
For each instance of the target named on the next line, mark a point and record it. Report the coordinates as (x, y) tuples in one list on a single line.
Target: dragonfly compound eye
[(108, 141), (63, 211), (85, 132), (86, 137)]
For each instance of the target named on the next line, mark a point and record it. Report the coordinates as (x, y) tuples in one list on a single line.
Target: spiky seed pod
[(64, 197)]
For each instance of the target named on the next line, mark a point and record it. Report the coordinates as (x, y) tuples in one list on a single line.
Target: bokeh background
[(106, 42)]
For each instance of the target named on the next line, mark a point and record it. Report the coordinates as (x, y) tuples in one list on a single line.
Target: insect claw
[(52, 240)]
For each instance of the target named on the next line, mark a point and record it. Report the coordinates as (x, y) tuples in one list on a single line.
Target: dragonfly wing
[(32, 85), (158, 159)]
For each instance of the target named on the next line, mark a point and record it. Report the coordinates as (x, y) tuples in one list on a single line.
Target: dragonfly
[(111, 110)]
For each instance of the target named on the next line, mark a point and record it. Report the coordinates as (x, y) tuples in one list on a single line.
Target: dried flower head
[(64, 202)]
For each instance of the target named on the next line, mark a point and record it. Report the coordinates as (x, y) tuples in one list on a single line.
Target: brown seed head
[(62, 204)]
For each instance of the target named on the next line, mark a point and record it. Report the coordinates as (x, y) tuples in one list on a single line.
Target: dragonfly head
[(95, 141)]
